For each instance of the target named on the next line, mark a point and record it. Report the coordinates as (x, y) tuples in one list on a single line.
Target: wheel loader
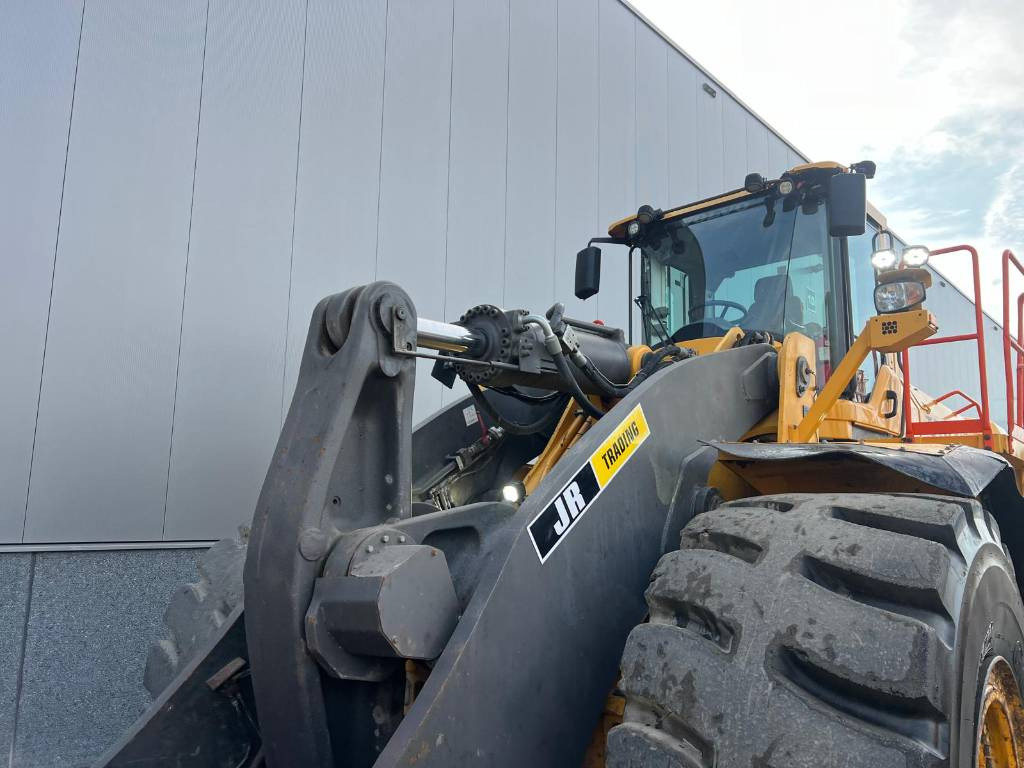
[(717, 544)]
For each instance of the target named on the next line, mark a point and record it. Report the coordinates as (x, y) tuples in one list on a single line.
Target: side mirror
[(847, 204), (588, 272)]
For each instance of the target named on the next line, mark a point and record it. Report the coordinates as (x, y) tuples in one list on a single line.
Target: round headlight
[(915, 255), (785, 187), (884, 259), (633, 228)]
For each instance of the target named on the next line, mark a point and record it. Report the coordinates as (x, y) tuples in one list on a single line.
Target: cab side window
[(862, 292)]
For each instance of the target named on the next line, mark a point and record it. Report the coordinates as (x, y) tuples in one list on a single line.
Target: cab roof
[(618, 228)]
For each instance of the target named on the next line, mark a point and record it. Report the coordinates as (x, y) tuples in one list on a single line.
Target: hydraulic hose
[(610, 389), (554, 347), (574, 388)]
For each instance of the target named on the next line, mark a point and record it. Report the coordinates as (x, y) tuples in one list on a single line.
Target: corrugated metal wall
[(184, 181)]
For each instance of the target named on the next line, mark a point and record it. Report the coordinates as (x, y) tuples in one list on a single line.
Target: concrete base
[(77, 627)]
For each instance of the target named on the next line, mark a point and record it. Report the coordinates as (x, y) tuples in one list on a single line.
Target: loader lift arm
[(537, 589)]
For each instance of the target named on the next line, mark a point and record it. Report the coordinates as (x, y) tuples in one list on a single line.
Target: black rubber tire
[(820, 630), (196, 611)]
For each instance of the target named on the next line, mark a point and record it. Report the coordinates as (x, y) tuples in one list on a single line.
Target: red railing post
[(907, 411), (1020, 362), (1014, 384), (984, 422)]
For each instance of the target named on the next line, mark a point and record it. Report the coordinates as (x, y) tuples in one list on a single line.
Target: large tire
[(196, 611), (821, 630)]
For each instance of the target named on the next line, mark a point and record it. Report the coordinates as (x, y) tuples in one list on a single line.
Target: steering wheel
[(725, 304)]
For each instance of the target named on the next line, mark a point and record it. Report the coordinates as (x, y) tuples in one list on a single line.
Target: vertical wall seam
[(596, 224), (53, 274), (448, 177), (295, 205), (20, 679), (508, 134), (636, 126), (184, 282), (746, 144), (722, 129), (668, 127), (697, 132), (380, 143), (558, 107), (631, 315)]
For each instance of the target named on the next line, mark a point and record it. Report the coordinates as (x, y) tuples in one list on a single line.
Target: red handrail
[(1014, 389), (971, 403), (983, 423)]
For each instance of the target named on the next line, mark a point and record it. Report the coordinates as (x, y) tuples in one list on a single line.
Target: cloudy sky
[(931, 90)]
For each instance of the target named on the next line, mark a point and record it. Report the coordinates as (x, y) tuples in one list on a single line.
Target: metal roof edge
[(704, 70)]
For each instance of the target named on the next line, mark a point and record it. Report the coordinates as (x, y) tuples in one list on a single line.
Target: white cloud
[(932, 90)]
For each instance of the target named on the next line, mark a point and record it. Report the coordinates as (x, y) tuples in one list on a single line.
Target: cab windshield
[(752, 264)]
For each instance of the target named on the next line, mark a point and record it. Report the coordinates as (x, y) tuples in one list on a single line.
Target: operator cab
[(769, 258)]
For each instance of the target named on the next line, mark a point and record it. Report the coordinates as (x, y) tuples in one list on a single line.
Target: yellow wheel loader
[(716, 545)]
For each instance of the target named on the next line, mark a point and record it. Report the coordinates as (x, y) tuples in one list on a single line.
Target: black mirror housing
[(847, 204), (588, 272)]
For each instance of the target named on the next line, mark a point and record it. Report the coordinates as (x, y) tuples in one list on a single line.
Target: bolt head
[(385, 539), (369, 549)]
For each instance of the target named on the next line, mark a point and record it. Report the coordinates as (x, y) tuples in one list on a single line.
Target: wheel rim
[(1001, 719)]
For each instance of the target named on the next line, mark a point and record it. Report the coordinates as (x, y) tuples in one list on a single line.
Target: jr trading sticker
[(552, 525)]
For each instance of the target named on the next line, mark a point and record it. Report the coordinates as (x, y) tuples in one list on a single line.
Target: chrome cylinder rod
[(446, 337)]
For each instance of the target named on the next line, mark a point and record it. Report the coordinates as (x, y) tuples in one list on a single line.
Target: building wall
[(183, 181)]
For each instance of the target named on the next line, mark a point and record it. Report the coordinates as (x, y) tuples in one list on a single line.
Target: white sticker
[(469, 414)]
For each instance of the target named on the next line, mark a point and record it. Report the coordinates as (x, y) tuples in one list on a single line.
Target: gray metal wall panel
[(576, 162), (530, 180), (475, 263), (465, 182), (655, 139), (734, 130), (652, 119), (100, 467), (778, 157), (757, 146), (683, 149), (236, 294), (619, 152), (38, 53), (335, 242), (15, 587), (414, 163), (710, 140), (92, 618)]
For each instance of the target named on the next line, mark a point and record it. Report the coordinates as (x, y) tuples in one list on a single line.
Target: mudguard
[(958, 470), (955, 469)]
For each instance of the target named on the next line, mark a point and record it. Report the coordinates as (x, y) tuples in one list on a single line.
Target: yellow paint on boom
[(620, 445)]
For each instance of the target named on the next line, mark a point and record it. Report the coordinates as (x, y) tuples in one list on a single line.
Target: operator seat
[(774, 302)]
